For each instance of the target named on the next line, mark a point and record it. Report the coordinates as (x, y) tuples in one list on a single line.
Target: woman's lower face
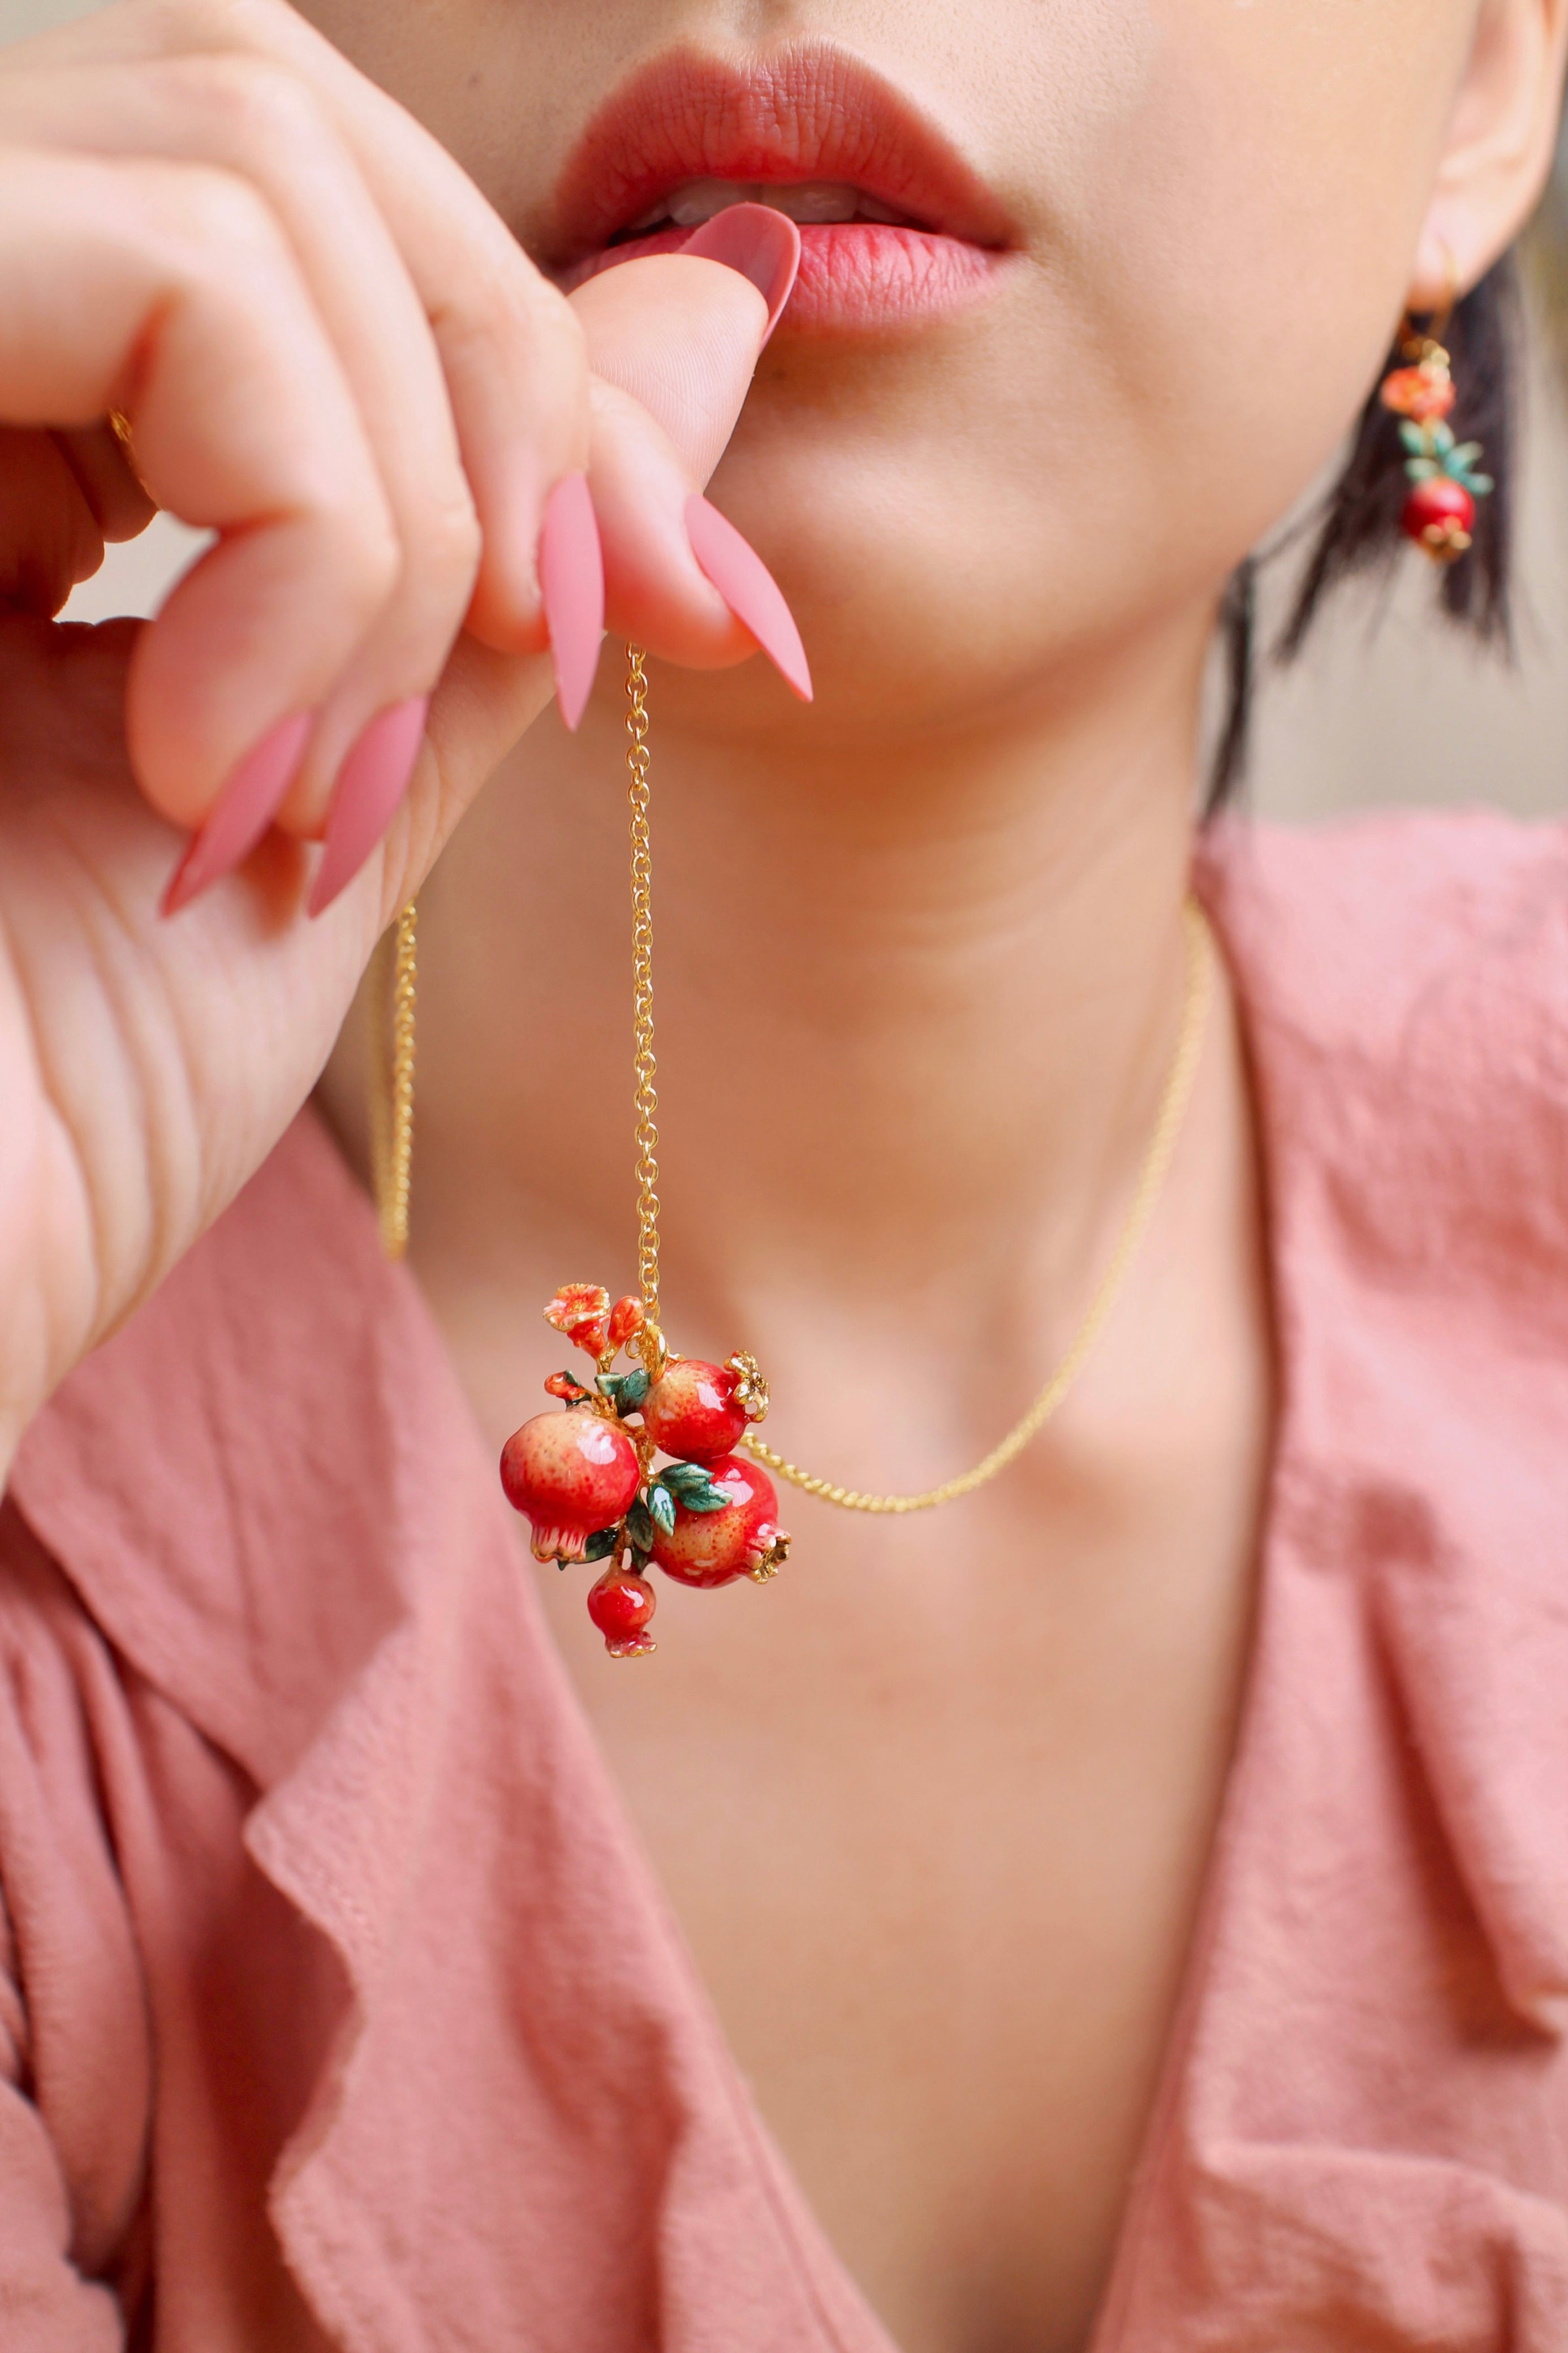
[(1143, 259)]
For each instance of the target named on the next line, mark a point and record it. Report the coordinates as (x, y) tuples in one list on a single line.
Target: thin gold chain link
[(1157, 1158), (643, 1067), (394, 991), (392, 1135)]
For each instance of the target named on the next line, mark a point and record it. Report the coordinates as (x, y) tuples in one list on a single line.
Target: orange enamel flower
[(1425, 394), (581, 1311)]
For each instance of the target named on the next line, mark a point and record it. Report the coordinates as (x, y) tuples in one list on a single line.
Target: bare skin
[(933, 1809)]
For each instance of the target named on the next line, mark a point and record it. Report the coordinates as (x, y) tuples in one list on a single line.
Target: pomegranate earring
[(1440, 510)]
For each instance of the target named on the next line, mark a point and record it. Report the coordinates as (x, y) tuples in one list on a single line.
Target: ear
[(1501, 139)]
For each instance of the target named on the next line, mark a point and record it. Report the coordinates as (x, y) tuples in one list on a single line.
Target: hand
[(330, 352)]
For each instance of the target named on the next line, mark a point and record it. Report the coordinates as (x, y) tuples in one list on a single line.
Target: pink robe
[(337, 2004)]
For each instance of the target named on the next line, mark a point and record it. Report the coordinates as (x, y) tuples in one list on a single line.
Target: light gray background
[(1387, 706)]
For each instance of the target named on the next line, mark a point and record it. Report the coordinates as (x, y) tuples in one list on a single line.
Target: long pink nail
[(370, 782), (750, 590), (571, 582), (242, 812), (761, 244)]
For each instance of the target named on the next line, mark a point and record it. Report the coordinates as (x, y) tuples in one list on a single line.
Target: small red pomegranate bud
[(626, 1317), (573, 1474), (692, 1410), (743, 1539), (1439, 515), (620, 1606)]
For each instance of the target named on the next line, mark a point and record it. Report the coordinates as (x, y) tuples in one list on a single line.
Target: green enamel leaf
[(1466, 454), (661, 1507), (1442, 439), (626, 1391), (640, 1527), (691, 1485), (680, 1476), (1421, 469), (602, 1543), (1483, 485), (1416, 440)]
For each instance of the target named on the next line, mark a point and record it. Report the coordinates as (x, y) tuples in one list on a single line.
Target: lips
[(896, 227)]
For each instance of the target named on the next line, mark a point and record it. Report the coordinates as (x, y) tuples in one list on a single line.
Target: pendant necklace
[(658, 1464)]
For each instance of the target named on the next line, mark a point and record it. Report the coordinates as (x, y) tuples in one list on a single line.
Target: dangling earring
[(1440, 512)]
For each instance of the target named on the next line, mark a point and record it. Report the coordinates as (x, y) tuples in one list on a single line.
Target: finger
[(254, 118), (120, 504), (49, 537), (674, 341), (509, 348), (167, 290)]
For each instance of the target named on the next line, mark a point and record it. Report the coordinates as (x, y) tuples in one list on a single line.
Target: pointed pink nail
[(242, 812), (370, 782), (571, 582), (750, 590), (761, 244)]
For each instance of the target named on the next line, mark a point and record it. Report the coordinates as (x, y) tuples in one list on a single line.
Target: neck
[(915, 1002)]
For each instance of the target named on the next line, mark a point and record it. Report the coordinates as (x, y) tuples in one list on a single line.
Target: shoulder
[(1404, 985), (1337, 925)]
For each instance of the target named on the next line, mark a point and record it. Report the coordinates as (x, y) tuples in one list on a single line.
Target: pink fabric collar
[(270, 1494)]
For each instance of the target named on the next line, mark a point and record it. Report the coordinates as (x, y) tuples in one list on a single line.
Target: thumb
[(672, 342), (684, 342)]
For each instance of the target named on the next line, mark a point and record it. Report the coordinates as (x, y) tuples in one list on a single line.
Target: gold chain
[(643, 1067), (395, 976), (1152, 1175), (392, 1133)]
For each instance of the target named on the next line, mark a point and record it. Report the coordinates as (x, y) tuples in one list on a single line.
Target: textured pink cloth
[(337, 2007)]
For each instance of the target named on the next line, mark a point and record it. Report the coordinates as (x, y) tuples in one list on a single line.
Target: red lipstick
[(925, 237)]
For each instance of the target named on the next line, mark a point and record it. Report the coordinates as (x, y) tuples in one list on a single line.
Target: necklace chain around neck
[(392, 1132)]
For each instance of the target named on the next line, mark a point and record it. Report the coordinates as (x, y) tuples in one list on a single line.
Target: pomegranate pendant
[(587, 1477), (1440, 510)]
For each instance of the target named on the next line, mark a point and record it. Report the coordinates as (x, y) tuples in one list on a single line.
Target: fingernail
[(761, 244), (370, 782), (242, 812), (750, 590), (571, 582)]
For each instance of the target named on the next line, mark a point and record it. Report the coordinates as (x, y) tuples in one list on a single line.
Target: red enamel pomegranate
[(620, 1606), (710, 1549), (1439, 515), (691, 1410), (572, 1473)]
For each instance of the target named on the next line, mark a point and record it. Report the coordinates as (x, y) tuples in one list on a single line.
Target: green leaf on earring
[(661, 1507), (602, 1543), (1417, 439), (1466, 454), (1483, 485), (1421, 469)]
